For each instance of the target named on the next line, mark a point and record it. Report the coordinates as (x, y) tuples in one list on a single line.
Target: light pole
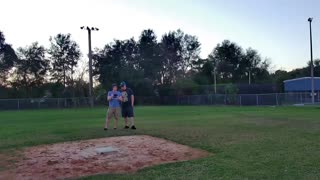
[(249, 74), (89, 29), (214, 73), (215, 79), (311, 53)]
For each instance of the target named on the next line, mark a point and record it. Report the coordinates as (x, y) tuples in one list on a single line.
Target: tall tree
[(278, 77), (253, 65), (118, 61), (316, 68), (7, 58), (129, 51), (109, 63), (171, 49), (232, 64), (32, 65), (263, 74), (227, 57), (2, 39), (150, 60), (81, 87), (179, 52), (190, 50), (205, 73), (64, 55)]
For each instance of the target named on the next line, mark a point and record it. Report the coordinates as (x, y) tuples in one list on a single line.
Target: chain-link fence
[(276, 99), (43, 103), (212, 99)]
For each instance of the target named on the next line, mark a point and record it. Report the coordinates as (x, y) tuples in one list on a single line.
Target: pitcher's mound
[(108, 155)]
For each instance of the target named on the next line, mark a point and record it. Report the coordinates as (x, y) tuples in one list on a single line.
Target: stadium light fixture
[(89, 29)]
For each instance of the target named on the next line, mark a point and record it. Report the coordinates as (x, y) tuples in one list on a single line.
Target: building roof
[(301, 84), (303, 78)]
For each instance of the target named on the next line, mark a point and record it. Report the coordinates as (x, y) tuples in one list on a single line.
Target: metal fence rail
[(211, 99)]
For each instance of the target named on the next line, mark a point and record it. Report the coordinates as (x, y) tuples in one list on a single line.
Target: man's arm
[(120, 97), (109, 96), (132, 100)]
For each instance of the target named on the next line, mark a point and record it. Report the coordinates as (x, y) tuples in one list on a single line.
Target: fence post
[(240, 100), (38, 103), (225, 99), (301, 98), (277, 102), (257, 99), (188, 97), (18, 104)]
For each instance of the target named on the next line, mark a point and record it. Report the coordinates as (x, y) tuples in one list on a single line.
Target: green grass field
[(245, 142)]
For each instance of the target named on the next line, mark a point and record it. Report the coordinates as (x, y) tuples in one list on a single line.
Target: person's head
[(123, 85), (114, 87)]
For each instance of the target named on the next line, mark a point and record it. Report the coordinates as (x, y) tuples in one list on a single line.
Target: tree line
[(151, 65)]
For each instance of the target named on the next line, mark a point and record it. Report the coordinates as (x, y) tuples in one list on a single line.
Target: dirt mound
[(107, 155)]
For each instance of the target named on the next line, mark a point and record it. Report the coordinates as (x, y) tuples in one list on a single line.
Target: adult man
[(127, 105), (114, 98)]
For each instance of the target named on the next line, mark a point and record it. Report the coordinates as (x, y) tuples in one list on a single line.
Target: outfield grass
[(245, 142)]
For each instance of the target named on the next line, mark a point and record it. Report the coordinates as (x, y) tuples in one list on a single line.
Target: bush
[(231, 90), (186, 87)]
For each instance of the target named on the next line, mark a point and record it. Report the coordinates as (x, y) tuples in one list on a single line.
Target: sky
[(278, 29)]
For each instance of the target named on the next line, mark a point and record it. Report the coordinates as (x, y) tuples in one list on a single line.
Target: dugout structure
[(302, 85)]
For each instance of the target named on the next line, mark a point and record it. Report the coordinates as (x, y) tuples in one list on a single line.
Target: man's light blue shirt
[(114, 102)]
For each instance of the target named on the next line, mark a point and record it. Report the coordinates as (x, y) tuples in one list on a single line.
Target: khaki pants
[(113, 112)]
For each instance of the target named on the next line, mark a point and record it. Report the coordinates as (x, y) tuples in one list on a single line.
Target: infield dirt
[(125, 154)]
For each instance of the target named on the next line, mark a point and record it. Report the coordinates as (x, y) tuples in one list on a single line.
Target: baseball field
[(242, 142)]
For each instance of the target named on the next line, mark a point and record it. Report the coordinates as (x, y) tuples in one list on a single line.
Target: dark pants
[(127, 112)]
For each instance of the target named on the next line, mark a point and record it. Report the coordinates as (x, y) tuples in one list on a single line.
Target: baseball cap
[(123, 84), (114, 84)]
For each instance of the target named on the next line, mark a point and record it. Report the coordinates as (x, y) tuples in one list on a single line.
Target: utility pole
[(249, 73), (312, 69), (215, 80), (90, 62)]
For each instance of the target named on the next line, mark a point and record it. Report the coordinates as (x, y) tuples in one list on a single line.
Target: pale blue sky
[(278, 29)]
